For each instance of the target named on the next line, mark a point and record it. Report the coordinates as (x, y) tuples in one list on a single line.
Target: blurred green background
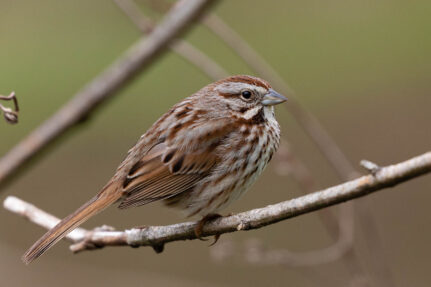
[(362, 67)]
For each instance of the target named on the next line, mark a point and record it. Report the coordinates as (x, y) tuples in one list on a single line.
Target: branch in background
[(157, 236), (286, 163), (11, 116), (103, 87), (256, 253), (190, 53)]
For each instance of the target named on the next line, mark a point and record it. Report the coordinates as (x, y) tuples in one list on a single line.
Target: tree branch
[(157, 236), (103, 87)]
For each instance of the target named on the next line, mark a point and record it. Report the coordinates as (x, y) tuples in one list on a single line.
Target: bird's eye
[(246, 94)]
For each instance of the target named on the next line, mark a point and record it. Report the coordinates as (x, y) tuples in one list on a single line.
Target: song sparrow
[(200, 156)]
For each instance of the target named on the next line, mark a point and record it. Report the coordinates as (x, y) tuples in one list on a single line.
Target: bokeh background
[(362, 67)]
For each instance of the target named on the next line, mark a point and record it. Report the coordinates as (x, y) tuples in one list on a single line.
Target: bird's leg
[(202, 222)]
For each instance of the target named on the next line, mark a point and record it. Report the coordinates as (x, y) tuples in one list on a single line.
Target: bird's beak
[(273, 98)]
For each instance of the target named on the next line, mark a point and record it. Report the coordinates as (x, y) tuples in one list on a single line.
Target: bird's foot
[(200, 226)]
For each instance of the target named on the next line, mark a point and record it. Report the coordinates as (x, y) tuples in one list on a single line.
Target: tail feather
[(92, 207)]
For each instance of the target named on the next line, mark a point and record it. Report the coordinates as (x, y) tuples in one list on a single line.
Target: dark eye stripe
[(228, 95)]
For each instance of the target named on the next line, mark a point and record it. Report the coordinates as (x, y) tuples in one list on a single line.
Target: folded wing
[(167, 171)]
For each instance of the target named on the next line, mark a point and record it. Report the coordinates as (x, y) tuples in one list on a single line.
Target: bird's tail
[(92, 207)]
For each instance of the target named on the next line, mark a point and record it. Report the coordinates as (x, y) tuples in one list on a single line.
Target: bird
[(199, 157)]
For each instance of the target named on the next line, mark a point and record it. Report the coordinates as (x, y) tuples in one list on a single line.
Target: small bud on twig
[(370, 166)]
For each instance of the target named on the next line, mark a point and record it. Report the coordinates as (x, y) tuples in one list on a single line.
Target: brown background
[(363, 67)]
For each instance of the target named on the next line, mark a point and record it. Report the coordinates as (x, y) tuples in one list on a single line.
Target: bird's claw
[(200, 226), (216, 238)]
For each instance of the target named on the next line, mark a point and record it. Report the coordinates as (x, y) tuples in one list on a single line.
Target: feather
[(167, 171)]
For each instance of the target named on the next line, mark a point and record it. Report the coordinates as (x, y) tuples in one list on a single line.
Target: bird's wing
[(166, 170)]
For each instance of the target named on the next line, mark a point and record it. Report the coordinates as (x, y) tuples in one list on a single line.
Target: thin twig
[(103, 87), (11, 116), (157, 236)]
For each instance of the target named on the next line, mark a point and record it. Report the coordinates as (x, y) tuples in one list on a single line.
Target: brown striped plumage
[(199, 156)]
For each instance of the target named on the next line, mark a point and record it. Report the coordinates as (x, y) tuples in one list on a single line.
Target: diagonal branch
[(103, 87), (182, 48), (157, 236)]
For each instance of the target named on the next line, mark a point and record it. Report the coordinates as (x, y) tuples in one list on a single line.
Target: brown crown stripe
[(248, 80)]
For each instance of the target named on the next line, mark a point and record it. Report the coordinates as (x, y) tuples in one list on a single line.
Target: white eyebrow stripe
[(234, 87), (261, 90)]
